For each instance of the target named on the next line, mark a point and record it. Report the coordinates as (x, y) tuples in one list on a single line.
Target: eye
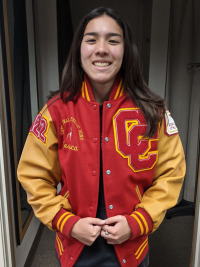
[(112, 41), (91, 41)]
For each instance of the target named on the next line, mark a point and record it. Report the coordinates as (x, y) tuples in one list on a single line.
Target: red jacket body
[(142, 177)]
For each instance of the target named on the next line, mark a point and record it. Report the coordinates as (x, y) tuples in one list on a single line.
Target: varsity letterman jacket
[(142, 177)]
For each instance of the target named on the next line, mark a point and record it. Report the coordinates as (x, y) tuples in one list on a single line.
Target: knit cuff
[(64, 221), (140, 223)]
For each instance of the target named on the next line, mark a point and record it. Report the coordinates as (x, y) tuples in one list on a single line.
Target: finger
[(105, 227), (109, 230), (113, 220), (104, 234), (112, 230), (110, 239), (96, 221), (97, 229), (107, 235)]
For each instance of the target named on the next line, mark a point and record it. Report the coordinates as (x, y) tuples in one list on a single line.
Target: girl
[(110, 142)]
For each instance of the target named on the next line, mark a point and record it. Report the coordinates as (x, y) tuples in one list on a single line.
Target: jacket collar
[(116, 91)]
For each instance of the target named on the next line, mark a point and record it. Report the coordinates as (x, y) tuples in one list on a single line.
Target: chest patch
[(71, 130), (40, 128), (129, 128), (170, 126)]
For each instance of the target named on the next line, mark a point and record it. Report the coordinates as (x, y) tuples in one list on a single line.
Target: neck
[(101, 91)]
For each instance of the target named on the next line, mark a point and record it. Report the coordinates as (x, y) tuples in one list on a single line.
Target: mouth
[(101, 64)]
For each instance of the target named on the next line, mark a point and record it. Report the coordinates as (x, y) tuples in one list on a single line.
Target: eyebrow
[(110, 34)]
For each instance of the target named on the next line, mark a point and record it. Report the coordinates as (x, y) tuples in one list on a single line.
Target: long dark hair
[(152, 105)]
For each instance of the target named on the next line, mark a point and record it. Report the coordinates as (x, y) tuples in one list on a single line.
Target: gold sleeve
[(39, 170), (168, 178)]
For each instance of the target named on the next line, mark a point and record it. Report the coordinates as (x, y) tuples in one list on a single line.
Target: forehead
[(103, 24)]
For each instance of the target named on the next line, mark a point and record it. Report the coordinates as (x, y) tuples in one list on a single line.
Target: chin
[(102, 78)]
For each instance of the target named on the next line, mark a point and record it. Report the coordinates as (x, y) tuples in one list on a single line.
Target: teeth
[(101, 64)]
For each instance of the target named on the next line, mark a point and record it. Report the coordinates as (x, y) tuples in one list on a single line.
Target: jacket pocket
[(143, 246), (59, 245), (66, 195), (138, 192)]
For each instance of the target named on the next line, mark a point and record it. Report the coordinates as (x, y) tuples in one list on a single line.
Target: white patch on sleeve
[(170, 124)]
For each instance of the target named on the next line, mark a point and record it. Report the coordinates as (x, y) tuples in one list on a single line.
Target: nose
[(102, 48)]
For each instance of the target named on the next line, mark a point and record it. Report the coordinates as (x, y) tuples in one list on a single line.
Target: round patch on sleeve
[(170, 126)]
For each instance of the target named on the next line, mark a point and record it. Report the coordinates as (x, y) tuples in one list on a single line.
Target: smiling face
[(102, 50)]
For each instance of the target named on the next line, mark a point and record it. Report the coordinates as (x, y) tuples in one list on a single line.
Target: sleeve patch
[(170, 126), (40, 128)]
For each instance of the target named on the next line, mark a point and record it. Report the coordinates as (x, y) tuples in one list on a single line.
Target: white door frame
[(6, 233), (195, 257), (5, 244)]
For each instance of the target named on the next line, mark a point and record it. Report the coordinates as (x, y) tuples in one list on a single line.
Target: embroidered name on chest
[(69, 129), (129, 128)]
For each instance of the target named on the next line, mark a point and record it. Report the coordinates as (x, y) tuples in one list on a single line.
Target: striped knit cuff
[(64, 221), (140, 223)]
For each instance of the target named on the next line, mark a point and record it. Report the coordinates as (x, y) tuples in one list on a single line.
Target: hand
[(118, 229), (87, 230)]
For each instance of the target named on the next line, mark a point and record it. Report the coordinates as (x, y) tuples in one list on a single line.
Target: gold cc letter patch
[(129, 128)]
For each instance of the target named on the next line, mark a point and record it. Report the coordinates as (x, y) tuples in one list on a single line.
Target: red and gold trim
[(60, 246), (116, 92), (138, 193), (61, 222), (141, 249), (120, 91), (84, 91), (64, 221), (140, 223), (66, 195)]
